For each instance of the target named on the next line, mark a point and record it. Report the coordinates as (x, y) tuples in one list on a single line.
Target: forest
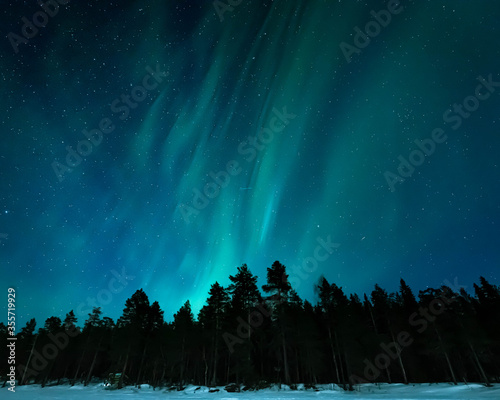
[(252, 338)]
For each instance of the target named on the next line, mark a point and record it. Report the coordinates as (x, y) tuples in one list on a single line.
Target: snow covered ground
[(366, 392)]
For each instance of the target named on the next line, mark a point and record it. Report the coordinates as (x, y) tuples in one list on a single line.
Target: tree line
[(245, 336)]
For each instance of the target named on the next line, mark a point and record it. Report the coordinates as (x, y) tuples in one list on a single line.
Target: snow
[(440, 391)]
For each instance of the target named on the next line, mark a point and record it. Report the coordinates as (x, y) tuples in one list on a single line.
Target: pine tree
[(212, 317), (310, 344), (381, 311), (245, 296), (278, 285), (488, 307), (244, 291), (52, 324), (136, 312), (326, 305), (334, 304), (70, 320), (408, 300), (137, 323), (183, 325), (94, 320), (155, 317)]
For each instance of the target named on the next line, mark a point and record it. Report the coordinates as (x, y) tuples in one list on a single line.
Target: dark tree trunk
[(333, 354), (89, 375)]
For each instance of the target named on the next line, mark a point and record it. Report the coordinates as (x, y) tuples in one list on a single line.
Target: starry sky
[(308, 131)]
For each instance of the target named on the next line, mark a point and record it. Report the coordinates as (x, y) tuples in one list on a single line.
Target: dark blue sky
[(308, 130)]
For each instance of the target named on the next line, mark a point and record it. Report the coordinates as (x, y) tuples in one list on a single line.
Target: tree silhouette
[(278, 285), (452, 337)]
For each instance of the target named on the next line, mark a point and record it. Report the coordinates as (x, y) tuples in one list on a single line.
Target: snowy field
[(384, 391)]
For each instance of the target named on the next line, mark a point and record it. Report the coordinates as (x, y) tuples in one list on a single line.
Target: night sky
[(309, 136)]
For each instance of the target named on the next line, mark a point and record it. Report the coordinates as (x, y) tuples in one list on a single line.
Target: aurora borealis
[(222, 91)]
